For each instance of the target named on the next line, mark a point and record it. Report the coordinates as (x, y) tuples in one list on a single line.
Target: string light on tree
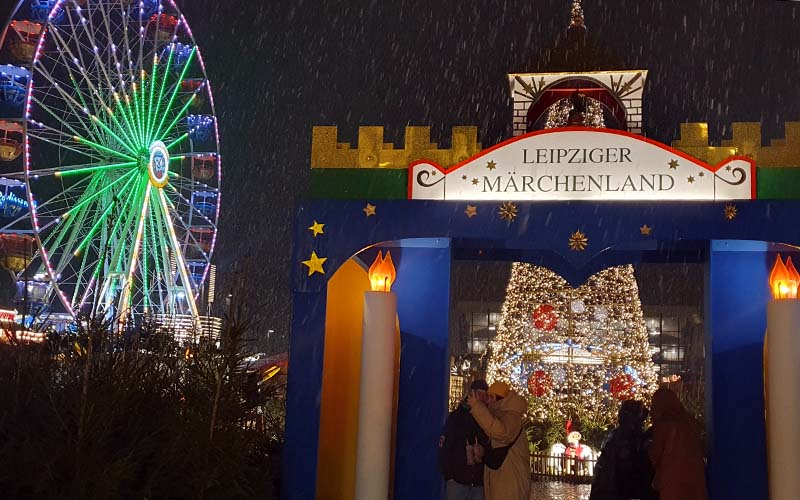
[(573, 351)]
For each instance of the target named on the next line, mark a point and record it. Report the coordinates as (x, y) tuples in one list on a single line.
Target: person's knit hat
[(479, 385), (499, 389)]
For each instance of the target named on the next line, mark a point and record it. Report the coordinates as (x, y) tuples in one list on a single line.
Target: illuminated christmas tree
[(573, 353)]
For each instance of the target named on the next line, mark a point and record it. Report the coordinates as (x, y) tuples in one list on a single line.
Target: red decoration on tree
[(540, 383), (621, 386), (545, 317)]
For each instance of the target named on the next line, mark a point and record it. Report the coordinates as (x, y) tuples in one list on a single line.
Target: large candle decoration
[(782, 377), (376, 396)]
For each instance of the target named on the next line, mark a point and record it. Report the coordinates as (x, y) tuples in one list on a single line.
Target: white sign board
[(582, 164)]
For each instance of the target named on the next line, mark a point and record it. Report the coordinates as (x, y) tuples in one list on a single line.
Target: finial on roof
[(577, 21)]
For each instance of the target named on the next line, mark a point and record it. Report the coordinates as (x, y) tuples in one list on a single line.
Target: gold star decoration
[(508, 211), (645, 230), (369, 209), (728, 168), (463, 177), (690, 179), (731, 212), (578, 241), (314, 264), (701, 174), (474, 182), (673, 164), (316, 228), (491, 165), (471, 211)]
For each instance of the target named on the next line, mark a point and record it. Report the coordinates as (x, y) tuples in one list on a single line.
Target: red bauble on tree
[(621, 386), (540, 383), (545, 317)]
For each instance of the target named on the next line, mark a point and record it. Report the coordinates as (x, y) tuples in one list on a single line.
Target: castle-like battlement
[(372, 152), (746, 141)]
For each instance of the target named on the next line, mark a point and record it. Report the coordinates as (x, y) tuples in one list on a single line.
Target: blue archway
[(427, 235)]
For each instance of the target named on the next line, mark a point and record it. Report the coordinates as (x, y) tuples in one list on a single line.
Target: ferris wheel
[(110, 122)]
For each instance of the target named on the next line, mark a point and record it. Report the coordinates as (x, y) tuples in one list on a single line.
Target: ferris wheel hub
[(158, 166)]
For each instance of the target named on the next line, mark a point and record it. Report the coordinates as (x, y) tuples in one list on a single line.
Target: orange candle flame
[(382, 273), (784, 279)]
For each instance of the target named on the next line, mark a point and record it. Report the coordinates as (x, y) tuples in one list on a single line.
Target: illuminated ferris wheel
[(110, 119)]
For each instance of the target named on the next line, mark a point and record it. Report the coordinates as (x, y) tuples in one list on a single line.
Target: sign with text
[(582, 164)]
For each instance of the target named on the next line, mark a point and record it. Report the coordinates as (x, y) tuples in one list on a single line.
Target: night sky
[(279, 68)]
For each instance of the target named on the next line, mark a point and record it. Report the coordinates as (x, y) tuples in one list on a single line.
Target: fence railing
[(563, 468)]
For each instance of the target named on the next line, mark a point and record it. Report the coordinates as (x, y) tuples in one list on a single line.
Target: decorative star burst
[(369, 209), (673, 164), (645, 230), (474, 182), (471, 211), (491, 165), (578, 241), (731, 212), (508, 211), (690, 179)]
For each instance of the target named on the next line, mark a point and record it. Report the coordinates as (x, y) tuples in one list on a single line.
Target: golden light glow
[(599, 332), (382, 273), (783, 279)]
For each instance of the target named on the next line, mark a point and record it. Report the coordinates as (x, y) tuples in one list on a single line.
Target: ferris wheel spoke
[(161, 89), (56, 116), (77, 109), (192, 209), (176, 248), (124, 302), (181, 113), (88, 154), (187, 229), (79, 60), (153, 250), (70, 226), (103, 217), (175, 93), (89, 196), (99, 63), (100, 147), (123, 249), (188, 183)]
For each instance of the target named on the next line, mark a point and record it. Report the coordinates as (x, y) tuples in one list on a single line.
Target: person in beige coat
[(502, 422)]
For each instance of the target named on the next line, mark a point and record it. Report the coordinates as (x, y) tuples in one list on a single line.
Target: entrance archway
[(427, 237)]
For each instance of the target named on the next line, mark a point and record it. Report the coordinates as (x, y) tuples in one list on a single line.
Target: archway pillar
[(736, 301)]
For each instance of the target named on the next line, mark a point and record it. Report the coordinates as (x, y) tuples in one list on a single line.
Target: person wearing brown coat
[(676, 451), (502, 422)]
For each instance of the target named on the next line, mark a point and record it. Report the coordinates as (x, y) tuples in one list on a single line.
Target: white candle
[(783, 399), (376, 396)]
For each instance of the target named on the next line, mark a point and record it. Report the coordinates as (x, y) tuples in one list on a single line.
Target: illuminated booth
[(576, 189)]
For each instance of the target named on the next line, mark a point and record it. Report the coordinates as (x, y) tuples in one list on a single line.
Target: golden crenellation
[(746, 141), (372, 152)]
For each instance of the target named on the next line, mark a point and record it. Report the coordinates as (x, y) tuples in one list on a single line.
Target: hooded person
[(623, 469), (677, 451), (507, 475), (461, 450)]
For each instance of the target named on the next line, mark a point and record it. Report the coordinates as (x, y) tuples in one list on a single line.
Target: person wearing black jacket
[(461, 448), (623, 471)]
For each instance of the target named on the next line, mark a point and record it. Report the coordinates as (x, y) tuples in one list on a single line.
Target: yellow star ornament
[(314, 264), (316, 228), (369, 209)]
